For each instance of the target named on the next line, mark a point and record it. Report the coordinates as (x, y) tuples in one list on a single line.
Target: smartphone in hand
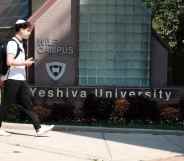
[(35, 60)]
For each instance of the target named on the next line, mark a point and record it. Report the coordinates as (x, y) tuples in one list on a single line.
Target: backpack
[(3, 55)]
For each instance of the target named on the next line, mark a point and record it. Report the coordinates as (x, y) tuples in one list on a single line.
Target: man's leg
[(26, 104), (2, 114), (9, 97), (10, 92), (2, 118)]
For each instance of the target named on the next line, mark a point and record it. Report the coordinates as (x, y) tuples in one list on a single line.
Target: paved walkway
[(87, 145), (176, 158)]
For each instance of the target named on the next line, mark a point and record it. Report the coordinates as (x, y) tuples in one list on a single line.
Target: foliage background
[(168, 22)]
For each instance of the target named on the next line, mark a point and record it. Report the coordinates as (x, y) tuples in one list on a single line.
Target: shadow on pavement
[(172, 143), (25, 134)]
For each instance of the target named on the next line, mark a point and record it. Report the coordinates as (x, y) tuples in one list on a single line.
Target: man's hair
[(24, 25)]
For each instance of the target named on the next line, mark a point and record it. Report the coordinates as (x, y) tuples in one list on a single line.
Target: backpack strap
[(18, 48), (17, 54)]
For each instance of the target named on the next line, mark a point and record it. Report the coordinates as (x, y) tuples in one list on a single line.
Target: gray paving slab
[(88, 146), (175, 158), (140, 147), (100, 129), (75, 146)]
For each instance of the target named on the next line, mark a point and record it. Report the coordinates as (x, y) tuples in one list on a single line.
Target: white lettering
[(83, 94), (50, 93), (160, 94), (33, 90), (132, 93), (140, 93), (148, 94), (116, 93), (99, 92), (67, 93), (123, 94), (74, 93), (42, 93), (108, 94), (168, 95), (59, 93), (154, 94)]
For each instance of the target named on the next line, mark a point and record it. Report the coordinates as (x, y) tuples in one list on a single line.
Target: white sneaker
[(44, 129), (4, 133)]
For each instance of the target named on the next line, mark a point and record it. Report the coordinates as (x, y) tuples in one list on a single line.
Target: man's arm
[(1, 82), (11, 61), (12, 48)]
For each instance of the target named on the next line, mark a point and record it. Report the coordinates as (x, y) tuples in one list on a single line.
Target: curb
[(68, 128), (117, 130)]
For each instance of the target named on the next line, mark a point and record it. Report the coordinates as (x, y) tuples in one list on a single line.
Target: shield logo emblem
[(55, 70)]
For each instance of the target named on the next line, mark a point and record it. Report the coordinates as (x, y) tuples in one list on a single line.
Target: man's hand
[(29, 62), (1, 83)]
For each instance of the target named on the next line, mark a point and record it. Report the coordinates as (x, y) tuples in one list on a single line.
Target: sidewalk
[(98, 144)]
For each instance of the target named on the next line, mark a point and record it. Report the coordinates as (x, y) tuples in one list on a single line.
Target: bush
[(169, 113), (14, 114), (95, 109), (120, 109), (43, 112), (181, 108), (142, 108), (61, 112)]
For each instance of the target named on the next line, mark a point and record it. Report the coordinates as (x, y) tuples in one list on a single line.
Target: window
[(114, 43)]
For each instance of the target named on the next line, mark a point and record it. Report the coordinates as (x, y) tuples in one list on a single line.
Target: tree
[(168, 21)]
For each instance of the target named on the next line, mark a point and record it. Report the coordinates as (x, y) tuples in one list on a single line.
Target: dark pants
[(18, 93)]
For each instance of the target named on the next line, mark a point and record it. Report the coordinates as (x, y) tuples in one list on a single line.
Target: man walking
[(16, 88)]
